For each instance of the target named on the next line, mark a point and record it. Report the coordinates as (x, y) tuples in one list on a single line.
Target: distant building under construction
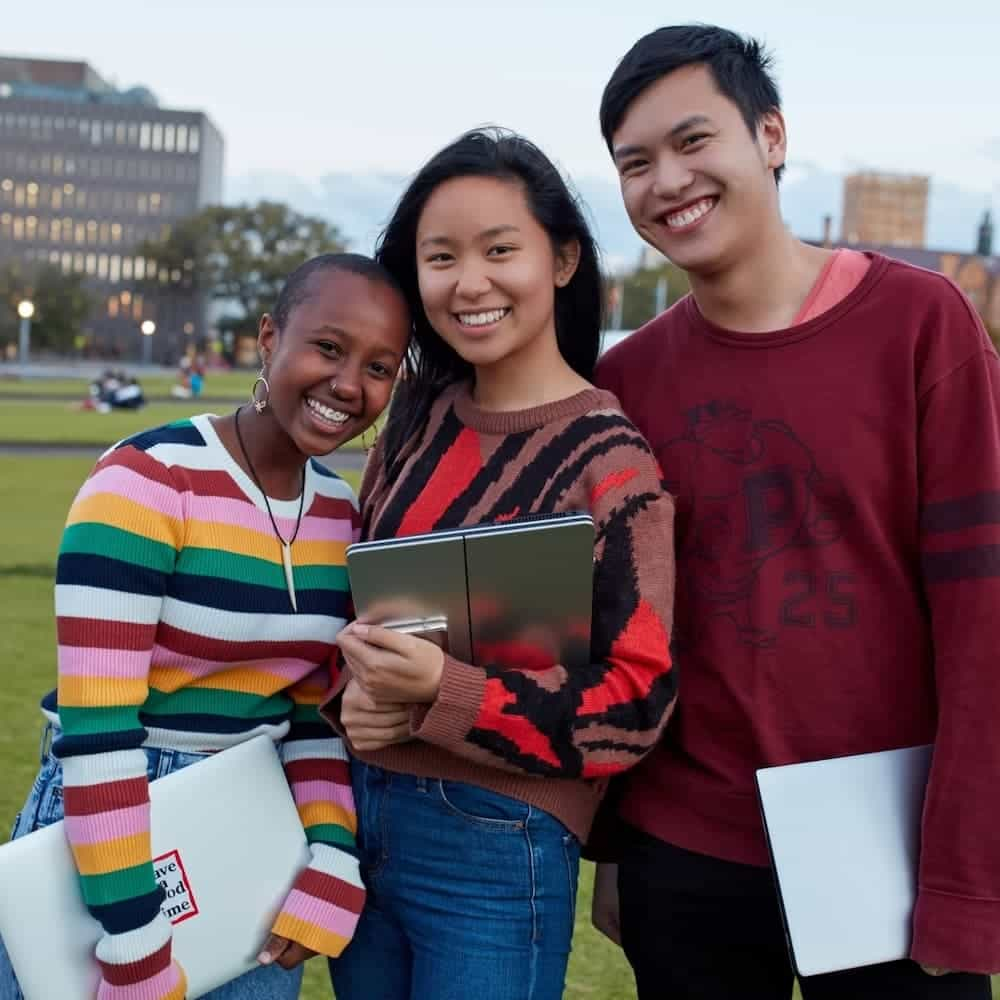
[(886, 209)]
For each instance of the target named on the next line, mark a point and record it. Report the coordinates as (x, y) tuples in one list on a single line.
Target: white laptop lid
[(845, 840), (229, 845)]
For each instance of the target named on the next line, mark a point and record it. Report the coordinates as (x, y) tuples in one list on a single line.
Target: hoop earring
[(364, 444), (260, 404)]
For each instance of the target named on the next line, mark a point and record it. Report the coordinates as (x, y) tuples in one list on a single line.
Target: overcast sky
[(307, 88)]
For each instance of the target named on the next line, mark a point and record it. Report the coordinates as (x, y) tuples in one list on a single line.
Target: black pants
[(697, 928)]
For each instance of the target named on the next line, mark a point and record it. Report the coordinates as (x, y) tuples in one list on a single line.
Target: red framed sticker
[(179, 903)]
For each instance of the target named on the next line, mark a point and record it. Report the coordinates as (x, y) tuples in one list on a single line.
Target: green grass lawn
[(44, 422), (227, 385), (35, 493)]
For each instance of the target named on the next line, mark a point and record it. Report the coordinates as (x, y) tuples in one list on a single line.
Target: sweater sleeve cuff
[(447, 720), (323, 908), (139, 963), (956, 932)]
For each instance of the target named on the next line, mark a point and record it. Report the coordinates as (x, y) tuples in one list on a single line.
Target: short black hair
[(741, 67), (295, 290)]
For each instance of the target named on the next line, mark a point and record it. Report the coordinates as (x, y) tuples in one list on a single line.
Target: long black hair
[(431, 364)]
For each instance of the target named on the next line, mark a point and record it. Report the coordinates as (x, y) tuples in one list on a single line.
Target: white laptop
[(228, 845), (845, 840)]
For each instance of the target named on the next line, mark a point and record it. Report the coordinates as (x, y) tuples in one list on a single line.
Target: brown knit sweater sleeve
[(600, 719)]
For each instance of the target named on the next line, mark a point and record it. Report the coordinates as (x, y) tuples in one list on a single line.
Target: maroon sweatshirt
[(838, 572)]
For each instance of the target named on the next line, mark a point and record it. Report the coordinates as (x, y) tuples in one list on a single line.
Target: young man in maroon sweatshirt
[(830, 425)]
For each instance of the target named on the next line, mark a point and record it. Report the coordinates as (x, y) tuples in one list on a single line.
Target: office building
[(88, 173)]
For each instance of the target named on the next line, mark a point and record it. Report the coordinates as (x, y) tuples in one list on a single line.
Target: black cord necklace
[(286, 547)]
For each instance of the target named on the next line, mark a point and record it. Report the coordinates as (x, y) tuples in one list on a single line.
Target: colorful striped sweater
[(175, 630), (503, 725)]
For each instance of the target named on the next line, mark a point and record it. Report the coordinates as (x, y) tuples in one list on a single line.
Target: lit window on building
[(127, 268), (78, 263), (139, 268), (90, 264), (144, 131), (120, 133), (116, 232), (126, 297), (113, 305), (194, 139), (168, 138), (18, 228), (182, 138), (157, 143), (114, 268), (133, 133), (67, 263)]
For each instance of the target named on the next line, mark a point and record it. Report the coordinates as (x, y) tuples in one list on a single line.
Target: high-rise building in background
[(888, 209), (88, 173)]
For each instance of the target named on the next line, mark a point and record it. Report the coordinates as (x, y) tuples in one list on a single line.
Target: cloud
[(991, 148)]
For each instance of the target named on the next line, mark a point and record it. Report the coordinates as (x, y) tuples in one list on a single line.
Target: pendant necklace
[(286, 547)]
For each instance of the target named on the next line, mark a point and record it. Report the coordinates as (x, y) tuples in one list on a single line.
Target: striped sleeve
[(118, 550), (325, 903), (598, 720), (956, 921)]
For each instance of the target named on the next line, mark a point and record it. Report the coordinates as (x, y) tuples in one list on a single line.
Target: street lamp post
[(25, 309), (148, 328)]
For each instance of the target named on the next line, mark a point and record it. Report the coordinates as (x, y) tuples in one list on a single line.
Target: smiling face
[(697, 184), (331, 368), (487, 270)]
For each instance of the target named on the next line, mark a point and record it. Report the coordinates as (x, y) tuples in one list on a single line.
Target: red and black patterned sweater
[(506, 727)]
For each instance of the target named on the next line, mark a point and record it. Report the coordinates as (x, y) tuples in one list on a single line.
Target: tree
[(62, 305), (639, 292), (239, 255)]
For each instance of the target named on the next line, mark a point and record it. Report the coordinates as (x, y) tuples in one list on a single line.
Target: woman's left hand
[(288, 954), (391, 666)]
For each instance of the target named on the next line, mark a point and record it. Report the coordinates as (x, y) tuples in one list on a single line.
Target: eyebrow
[(380, 349), (487, 234), (622, 151)]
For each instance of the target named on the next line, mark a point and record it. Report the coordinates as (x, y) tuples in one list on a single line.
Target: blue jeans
[(45, 806), (471, 894)]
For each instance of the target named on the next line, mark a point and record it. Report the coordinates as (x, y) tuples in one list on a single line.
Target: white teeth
[(332, 416), (689, 215), (482, 318)]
